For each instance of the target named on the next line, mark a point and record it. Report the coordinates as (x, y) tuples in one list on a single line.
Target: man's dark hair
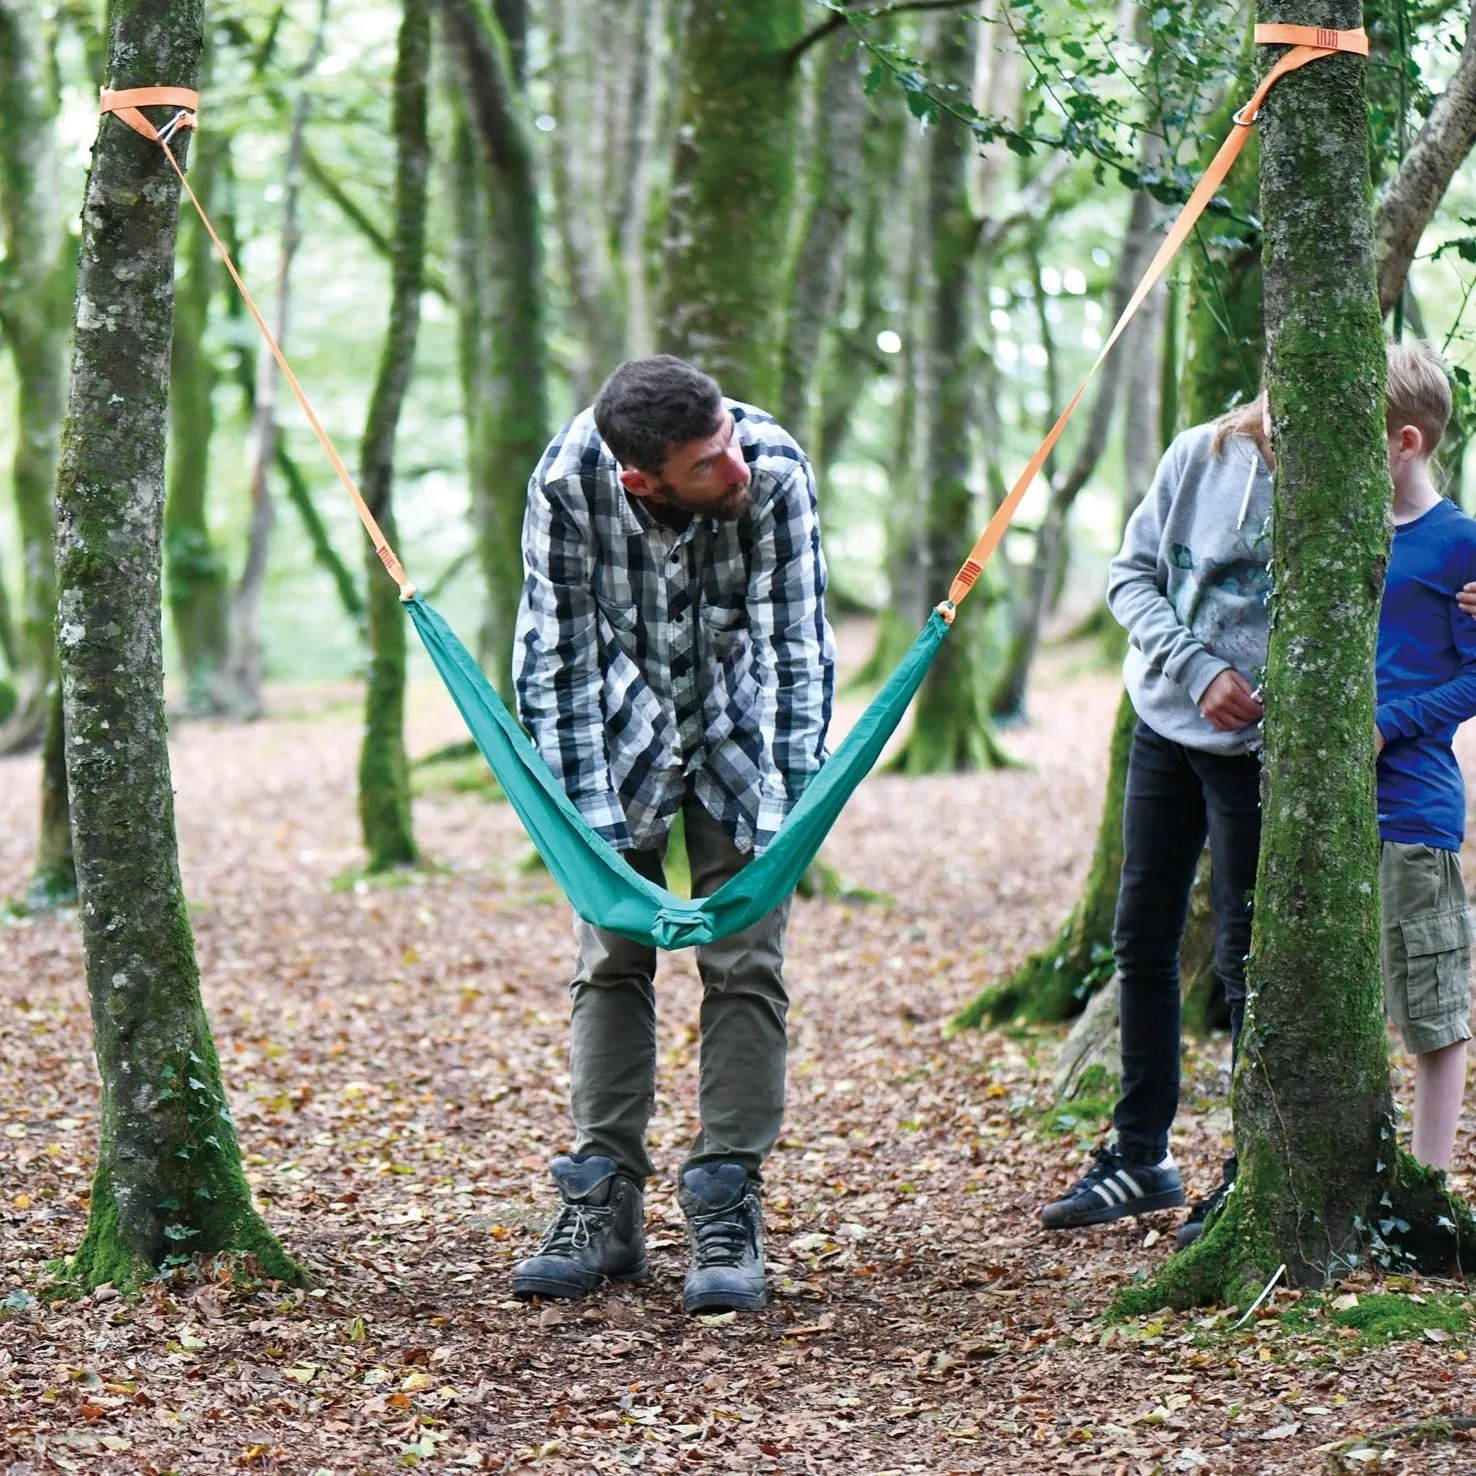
[(647, 406)]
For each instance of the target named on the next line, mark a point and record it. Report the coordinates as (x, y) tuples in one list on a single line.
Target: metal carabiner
[(180, 120)]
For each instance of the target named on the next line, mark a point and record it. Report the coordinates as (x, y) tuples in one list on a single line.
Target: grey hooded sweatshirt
[(1191, 583)]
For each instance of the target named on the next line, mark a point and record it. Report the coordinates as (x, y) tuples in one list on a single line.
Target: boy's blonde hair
[(1417, 391)]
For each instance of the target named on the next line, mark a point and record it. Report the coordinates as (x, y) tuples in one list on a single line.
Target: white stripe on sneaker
[(1107, 1196), (1129, 1182)]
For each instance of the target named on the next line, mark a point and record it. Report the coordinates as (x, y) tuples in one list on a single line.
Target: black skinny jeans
[(1175, 795)]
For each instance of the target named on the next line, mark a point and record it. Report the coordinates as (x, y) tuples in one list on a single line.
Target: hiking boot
[(725, 1229), (599, 1231), (1202, 1209), (1112, 1188)]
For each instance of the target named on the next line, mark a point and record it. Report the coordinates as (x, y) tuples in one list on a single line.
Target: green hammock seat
[(600, 886)]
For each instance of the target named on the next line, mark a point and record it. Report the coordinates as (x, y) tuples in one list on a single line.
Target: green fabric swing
[(599, 884)]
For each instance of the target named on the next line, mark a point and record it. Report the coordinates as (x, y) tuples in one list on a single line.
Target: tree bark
[(835, 175), (951, 731), (1428, 168), (35, 293), (731, 194), (244, 671), (513, 393), (54, 879), (197, 580), (169, 1179), (384, 769), (1311, 1099)]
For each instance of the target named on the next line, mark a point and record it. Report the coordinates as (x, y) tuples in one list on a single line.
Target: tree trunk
[(732, 192), (1008, 698), (633, 222), (1425, 174), (1311, 1098), (835, 174), (169, 1180), (35, 292), (244, 671), (54, 880), (951, 731), (515, 385), (196, 576), (384, 770), (580, 191)]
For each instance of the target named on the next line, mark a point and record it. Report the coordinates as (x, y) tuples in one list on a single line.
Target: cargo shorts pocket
[(1437, 947)]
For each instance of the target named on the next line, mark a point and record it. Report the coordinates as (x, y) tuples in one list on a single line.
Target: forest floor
[(395, 1055)]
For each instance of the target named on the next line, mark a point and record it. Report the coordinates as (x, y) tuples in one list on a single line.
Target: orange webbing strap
[(125, 105), (1309, 44)]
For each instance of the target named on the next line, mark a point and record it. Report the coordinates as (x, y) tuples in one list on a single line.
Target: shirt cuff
[(1199, 671)]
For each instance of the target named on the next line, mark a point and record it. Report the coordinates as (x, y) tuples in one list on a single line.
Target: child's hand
[(1378, 743), (1466, 598), (1230, 702)]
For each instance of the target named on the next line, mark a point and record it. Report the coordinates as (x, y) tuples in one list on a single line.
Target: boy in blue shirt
[(1426, 671)]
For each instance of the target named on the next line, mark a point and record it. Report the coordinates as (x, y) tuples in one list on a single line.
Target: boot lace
[(574, 1228), (723, 1238)]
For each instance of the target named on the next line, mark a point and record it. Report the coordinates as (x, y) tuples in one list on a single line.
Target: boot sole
[(525, 1288), (1168, 1199), (726, 1302)]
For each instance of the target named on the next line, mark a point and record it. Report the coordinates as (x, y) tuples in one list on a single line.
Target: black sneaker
[(1112, 1188), (725, 1229), (599, 1231), (1200, 1212)]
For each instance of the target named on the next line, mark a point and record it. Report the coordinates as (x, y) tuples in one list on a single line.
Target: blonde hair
[(1417, 391), (1244, 420)]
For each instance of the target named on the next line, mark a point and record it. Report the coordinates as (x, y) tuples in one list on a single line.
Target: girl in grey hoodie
[(1190, 586)]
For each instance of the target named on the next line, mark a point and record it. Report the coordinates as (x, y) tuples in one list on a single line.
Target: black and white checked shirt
[(650, 658)]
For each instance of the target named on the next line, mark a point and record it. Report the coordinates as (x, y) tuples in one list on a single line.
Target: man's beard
[(732, 507)]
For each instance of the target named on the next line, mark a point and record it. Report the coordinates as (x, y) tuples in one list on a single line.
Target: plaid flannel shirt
[(649, 659)]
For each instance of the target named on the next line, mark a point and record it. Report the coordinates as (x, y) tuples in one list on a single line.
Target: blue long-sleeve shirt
[(1426, 670)]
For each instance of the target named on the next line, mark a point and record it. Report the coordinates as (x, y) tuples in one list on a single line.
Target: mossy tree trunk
[(511, 394), (197, 580), (384, 770), (951, 730), (35, 295), (1319, 1170), (169, 1179), (732, 192), (54, 879)]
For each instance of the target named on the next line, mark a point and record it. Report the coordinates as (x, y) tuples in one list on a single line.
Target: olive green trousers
[(743, 1040)]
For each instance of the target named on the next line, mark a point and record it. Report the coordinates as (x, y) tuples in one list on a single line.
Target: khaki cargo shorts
[(1427, 945)]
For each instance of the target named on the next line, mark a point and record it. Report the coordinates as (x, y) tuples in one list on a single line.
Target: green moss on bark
[(384, 768), (725, 266), (169, 1177)]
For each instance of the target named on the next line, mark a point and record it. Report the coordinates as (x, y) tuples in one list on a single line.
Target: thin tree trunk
[(1311, 1097), (1008, 697), (197, 580), (951, 731), (834, 177), (169, 1179), (54, 879), (35, 292), (384, 770), (517, 374), (580, 193), (634, 217), (244, 670), (731, 193)]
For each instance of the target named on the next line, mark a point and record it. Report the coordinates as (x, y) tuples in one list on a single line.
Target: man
[(672, 655)]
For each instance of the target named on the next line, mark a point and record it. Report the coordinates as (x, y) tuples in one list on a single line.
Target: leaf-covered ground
[(395, 1057)]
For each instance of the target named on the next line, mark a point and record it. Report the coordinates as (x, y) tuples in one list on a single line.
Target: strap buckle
[(182, 119)]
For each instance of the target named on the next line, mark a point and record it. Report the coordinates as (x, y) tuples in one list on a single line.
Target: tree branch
[(837, 20), (1416, 191)]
